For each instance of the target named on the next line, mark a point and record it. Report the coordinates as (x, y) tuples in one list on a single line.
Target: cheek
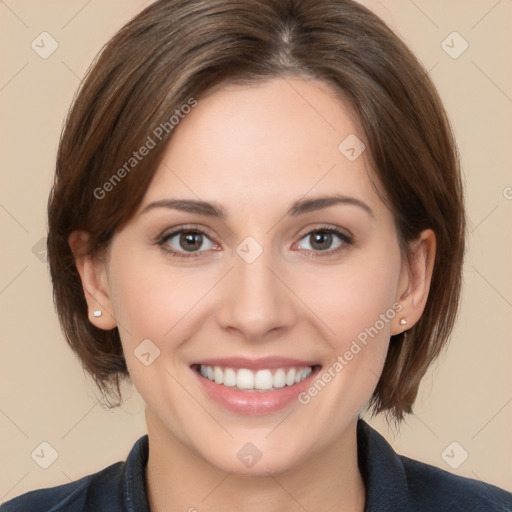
[(150, 298), (355, 297), (154, 306)]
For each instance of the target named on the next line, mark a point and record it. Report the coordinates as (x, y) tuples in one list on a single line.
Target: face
[(265, 286)]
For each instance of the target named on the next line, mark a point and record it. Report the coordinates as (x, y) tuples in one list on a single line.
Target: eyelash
[(163, 239)]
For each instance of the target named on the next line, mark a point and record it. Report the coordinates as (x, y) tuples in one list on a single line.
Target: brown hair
[(177, 50)]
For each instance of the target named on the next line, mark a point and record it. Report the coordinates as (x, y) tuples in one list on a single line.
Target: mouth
[(252, 387)]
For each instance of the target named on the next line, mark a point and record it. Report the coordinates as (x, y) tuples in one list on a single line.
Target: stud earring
[(97, 313), (403, 321)]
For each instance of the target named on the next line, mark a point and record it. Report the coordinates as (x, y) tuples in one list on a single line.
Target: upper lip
[(257, 364)]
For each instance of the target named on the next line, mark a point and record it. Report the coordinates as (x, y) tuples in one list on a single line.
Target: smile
[(254, 387), (245, 379)]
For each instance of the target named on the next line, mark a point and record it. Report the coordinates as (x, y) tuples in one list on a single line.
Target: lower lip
[(254, 403)]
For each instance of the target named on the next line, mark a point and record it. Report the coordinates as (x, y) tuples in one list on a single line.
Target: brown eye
[(325, 240), (183, 241), (190, 241), (321, 240)]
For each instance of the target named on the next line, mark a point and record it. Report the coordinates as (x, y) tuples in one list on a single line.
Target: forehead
[(252, 147)]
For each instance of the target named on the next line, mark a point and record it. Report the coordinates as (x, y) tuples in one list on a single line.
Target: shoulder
[(118, 487), (432, 488), (75, 496), (396, 483)]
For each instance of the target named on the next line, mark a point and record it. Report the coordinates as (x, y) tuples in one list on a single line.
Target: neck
[(178, 479)]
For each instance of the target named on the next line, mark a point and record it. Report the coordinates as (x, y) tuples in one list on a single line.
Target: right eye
[(186, 242)]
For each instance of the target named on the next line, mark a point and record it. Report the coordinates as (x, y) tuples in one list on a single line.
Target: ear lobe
[(94, 281), (415, 281)]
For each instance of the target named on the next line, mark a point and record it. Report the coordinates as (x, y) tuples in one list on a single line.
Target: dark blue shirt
[(394, 483)]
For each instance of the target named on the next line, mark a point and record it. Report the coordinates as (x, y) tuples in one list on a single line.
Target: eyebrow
[(299, 207)]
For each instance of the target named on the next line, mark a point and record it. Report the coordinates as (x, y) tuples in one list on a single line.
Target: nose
[(256, 300)]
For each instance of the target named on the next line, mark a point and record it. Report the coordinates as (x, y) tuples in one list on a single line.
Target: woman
[(258, 218)]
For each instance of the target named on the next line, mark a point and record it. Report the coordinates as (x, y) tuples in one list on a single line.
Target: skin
[(254, 150)]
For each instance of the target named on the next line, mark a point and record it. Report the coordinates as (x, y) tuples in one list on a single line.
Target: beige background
[(466, 398)]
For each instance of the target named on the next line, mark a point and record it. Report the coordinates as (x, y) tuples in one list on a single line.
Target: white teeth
[(279, 378), (245, 379), (262, 380), (229, 377), (290, 377), (218, 375)]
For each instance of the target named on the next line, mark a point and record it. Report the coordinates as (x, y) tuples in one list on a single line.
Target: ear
[(93, 275), (414, 282)]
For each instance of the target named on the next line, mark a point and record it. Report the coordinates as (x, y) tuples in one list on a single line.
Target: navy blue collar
[(382, 471)]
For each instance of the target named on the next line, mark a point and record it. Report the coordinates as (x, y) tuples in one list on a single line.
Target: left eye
[(321, 240)]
